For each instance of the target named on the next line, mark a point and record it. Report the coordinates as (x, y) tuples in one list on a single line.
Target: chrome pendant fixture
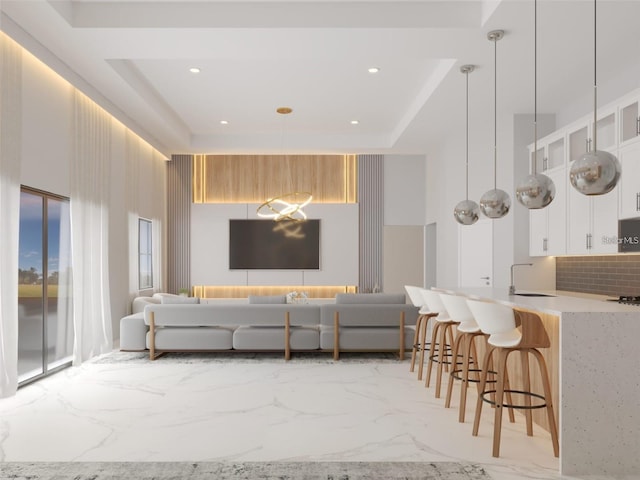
[(596, 172), (535, 190), (467, 211), (495, 203)]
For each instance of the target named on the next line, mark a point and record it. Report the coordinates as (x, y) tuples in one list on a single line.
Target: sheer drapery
[(143, 161), (90, 183), (10, 144)]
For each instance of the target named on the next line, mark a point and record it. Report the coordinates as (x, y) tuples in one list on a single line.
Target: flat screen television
[(265, 244)]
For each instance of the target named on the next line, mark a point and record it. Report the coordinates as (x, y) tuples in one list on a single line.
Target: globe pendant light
[(495, 203), (467, 211), (535, 190), (596, 172)]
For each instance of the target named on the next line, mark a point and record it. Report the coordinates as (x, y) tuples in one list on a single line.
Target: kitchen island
[(593, 365)]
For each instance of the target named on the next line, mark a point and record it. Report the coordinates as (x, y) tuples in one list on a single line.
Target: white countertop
[(562, 302)]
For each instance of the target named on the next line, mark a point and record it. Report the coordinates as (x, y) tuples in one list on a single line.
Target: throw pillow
[(269, 299), (178, 299)]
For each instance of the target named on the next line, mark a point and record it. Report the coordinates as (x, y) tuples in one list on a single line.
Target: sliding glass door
[(45, 328)]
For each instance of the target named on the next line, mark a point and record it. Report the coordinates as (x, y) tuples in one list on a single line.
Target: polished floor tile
[(296, 411)]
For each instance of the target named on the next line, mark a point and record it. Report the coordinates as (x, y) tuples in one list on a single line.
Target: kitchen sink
[(534, 295)]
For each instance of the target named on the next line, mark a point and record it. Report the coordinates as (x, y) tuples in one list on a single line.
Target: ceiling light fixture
[(535, 190), (495, 203), (194, 70), (224, 122), (467, 211), (354, 122), (596, 172), (288, 206), (373, 70)]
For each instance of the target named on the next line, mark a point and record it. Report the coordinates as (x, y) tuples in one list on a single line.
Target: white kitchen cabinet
[(580, 135), (629, 184), (548, 226), (629, 115), (593, 223)]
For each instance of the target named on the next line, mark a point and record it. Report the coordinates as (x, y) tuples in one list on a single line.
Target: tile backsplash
[(606, 275)]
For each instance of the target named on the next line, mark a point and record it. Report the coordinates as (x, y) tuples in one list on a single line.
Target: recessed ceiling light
[(354, 122), (224, 122), (373, 70), (194, 70)]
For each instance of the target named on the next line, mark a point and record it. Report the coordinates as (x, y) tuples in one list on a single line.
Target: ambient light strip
[(243, 291)]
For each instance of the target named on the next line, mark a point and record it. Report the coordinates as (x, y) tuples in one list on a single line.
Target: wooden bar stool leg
[(507, 386), (434, 342), (483, 384), (544, 374), (503, 355), (456, 346), (416, 336), (441, 356), (466, 354), (526, 378), (423, 343)]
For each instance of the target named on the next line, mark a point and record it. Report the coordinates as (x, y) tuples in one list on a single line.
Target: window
[(145, 260), (45, 320)]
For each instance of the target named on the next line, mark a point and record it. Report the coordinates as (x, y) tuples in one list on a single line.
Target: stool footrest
[(517, 392), (455, 375)]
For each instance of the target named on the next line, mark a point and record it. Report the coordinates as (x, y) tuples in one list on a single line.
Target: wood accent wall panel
[(179, 194), (255, 178), (371, 205)]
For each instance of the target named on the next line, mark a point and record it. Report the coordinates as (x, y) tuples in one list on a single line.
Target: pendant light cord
[(467, 134), (595, 82), (495, 113), (535, 86)]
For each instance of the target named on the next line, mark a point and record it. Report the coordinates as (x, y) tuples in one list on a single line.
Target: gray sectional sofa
[(355, 322)]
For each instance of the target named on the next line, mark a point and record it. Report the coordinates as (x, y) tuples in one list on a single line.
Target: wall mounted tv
[(265, 244)]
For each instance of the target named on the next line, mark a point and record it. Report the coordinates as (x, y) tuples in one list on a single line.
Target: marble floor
[(297, 411)]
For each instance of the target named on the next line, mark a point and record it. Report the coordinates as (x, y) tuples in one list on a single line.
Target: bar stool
[(466, 333), (443, 325), (511, 331), (419, 339)]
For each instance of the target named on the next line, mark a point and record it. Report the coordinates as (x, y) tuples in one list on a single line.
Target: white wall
[(339, 243), (405, 190), (446, 187)]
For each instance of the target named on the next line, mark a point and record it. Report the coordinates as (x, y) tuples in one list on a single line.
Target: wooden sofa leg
[(287, 338), (336, 336), (152, 336)]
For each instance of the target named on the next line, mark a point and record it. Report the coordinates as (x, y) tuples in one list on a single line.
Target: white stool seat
[(506, 339)]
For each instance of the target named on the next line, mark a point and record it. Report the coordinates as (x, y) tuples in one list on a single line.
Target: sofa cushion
[(367, 338), (132, 332), (267, 299), (139, 303), (178, 299), (193, 338), (370, 298), (272, 338)]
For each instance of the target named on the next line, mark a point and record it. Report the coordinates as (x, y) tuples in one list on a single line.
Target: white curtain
[(90, 186), (132, 192), (158, 217), (10, 145), (145, 166)]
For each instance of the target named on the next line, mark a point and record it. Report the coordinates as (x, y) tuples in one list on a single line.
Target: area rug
[(248, 471), (247, 357)]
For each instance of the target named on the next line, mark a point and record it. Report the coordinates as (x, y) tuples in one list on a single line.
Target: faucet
[(512, 287)]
